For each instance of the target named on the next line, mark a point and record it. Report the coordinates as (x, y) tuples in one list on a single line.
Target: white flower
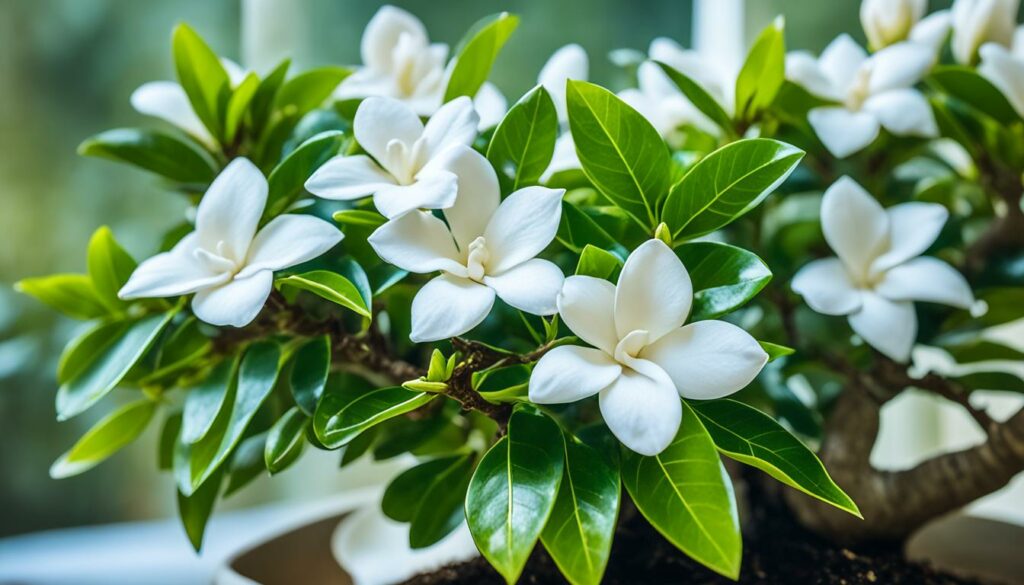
[(568, 62), (487, 248), (225, 261), (873, 92), (976, 22), (405, 175), (887, 22), (168, 101), (1005, 69), (645, 358), (400, 62), (879, 271)]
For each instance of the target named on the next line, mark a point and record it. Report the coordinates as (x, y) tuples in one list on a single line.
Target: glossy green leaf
[(577, 230), (287, 180), (358, 446), (726, 184), (109, 267), (513, 491), (105, 438), (246, 463), (619, 150), (476, 54), (750, 436), (168, 438), (206, 400), (183, 348), (999, 381), (309, 90), (195, 509), (355, 274), (524, 141), (346, 410), (310, 367), (598, 263), (238, 105), (155, 151), (71, 294), (328, 285), (108, 368), (724, 277), (699, 97), (286, 440), (579, 533), (266, 93), (970, 87), (685, 493), (430, 496), (763, 72), (83, 350), (202, 76)]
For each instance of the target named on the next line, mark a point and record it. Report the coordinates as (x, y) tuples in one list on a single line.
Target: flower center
[(859, 92), (414, 68), (403, 162), (630, 346), (476, 261), (219, 261)]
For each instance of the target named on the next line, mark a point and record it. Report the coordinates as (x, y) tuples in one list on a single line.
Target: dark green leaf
[(155, 151), (246, 463), (477, 53), (970, 87), (109, 267), (358, 446), (763, 72), (598, 263), (310, 368), (195, 510), (347, 410), (577, 230), (85, 349), (328, 285), (285, 440), (168, 437), (430, 496), (524, 141), (287, 180), (982, 350), (1004, 381), (202, 76), (355, 274), (724, 277), (105, 438), (204, 402), (699, 97)]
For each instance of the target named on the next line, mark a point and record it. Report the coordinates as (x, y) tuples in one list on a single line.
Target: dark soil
[(777, 551)]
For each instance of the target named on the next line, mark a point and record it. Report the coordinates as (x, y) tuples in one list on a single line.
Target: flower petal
[(235, 303), (854, 224), (932, 30), (379, 120), (454, 123), (448, 306), (899, 66), (168, 101), (172, 273), (289, 240), (643, 413), (926, 279), (417, 242), (888, 326), (522, 226), (654, 293), (363, 83), (840, 61), (708, 359), (230, 210), (826, 287), (382, 34), (841, 131), (430, 191), (348, 177), (490, 105), (1005, 72), (913, 228), (904, 112), (531, 286), (802, 68), (587, 305), (568, 62), (570, 373), (478, 193)]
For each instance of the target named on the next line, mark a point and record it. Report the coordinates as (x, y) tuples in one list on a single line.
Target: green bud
[(664, 234)]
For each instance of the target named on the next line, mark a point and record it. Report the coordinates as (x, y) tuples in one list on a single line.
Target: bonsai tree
[(584, 293)]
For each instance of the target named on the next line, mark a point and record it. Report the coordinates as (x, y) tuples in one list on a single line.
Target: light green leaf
[(699, 97), (598, 263), (109, 268), (104, 439), (71, 294), (183, 348), (345, 410), (202, 76), (685, 493), (205, 401), (286, 182), (524, 141), (285, 440), (83, 350), (310, 367), (775, 351), (155, 151), (168, 438), (476, 55), (238, 105), (309, 90), (266, 93), (359, 217), (724, 277), (763, 72), (328, 285)]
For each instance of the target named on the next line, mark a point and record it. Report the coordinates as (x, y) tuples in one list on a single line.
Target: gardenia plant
[(539, 336)]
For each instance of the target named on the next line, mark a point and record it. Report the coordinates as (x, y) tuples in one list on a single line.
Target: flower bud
[(976, 22), (887, 22)]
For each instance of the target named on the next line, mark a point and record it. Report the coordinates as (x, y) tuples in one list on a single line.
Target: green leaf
[(204, 402), (579, 533), (1003, 305), (726, 184), (971, 88), (750, 436), (328, 285), (724, 277), (155, 151), (699, 97), (104, 439), (775, 351), (183, 348), (71, 294), (999, 381), (359, 217), (85, 349), (238, 105), (310, 368), (358, 446), (308, 90), (430, 496), (168, 437), (513, 491), (619, 150), (263, 100), (287, 181), (685, 493), (524, 141), (577, 230), (108, 368), (983, 350), (763, 72), (202, 76), (355, 274), (109, 267), (246, 463), (598, 263), (478, 51), (345, 411), (285, 440), (195, 510)]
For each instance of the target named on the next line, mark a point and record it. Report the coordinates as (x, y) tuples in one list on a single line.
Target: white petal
[(913, 228), (531, 286), (976, 22), (587, 305), (888, 326), (841, 131), (289, 240), (643, 413), (490, 105), (348, 177), (854, 225), (231, 209), (448, 306), (899, 66), (168, 101), (568, 62), (382, 34), (904, 112), (478, 193), (709, 70), (430, 191), (523, 225), (564, 157), (379, 120), (1005, 72), (454, 123), (826, 287), (932, 30), (708, 359), (172, 273), (926, 279), (235, 303), (654, 293), (417, 242), (840, 61), (365, 82), (570, 373), (802, 68)]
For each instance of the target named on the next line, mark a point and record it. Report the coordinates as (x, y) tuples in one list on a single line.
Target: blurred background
[(67, 69)]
